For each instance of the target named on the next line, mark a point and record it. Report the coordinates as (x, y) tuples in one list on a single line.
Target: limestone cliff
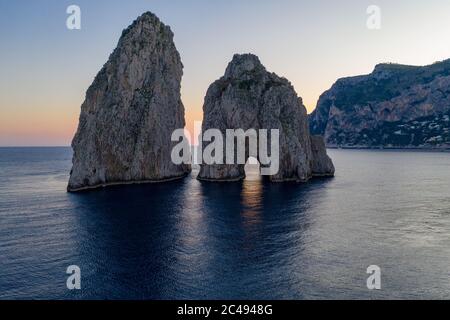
[(395, 106), (250, 97), (130, 112)]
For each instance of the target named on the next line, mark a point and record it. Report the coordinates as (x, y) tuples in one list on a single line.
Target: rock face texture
[(394, 106), (130, 112), (322, 165), (250, 97)]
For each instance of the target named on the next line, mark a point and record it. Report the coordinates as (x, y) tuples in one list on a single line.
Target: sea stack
[(250, 97), (130, 112)]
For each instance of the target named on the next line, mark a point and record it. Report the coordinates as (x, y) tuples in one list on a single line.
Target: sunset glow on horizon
[(46, 68)]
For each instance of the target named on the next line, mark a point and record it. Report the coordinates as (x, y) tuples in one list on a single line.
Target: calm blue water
[(193, 240)]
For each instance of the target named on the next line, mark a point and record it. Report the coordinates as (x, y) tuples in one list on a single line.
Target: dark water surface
[(194, 240)]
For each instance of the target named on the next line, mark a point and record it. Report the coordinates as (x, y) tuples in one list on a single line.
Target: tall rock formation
[(130, 112), (394, 106), (250, 97)]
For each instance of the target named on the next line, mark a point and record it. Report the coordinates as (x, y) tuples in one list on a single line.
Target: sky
[(45, 68)]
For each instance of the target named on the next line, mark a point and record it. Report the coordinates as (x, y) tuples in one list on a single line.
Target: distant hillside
[(394, 106)]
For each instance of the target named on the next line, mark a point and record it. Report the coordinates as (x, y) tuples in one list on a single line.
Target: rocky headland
[(396, 106)]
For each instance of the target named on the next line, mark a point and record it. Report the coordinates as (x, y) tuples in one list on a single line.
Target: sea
[(186, 239)]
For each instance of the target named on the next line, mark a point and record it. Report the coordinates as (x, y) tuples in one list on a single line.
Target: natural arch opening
[(252, 169)]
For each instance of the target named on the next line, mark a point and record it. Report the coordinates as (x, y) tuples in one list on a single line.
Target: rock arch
[(250, 97)]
